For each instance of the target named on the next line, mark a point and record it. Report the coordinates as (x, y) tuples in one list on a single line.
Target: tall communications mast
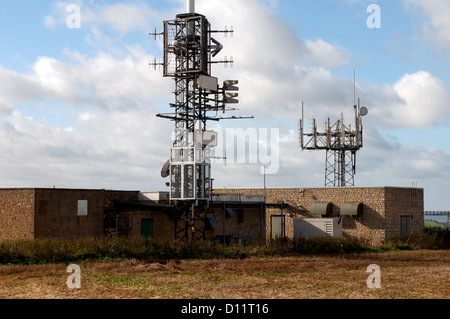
[(188, 51)]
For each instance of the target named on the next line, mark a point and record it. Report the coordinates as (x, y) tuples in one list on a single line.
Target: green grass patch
[(434, 224)]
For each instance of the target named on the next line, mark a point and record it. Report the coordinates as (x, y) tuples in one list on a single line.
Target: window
[(405, 225), (82, 208)]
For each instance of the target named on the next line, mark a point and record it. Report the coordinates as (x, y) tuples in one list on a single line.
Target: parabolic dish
[(165, 172), (364, 111)]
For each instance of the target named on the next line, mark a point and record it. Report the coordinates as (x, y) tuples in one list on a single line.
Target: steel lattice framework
[(188, 52), (341, 143)]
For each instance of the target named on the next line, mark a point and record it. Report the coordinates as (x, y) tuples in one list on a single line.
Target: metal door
[(405, 225), (277, 227), (147, 228)]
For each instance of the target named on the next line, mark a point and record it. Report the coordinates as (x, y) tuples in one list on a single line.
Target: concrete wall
[(17, 214)]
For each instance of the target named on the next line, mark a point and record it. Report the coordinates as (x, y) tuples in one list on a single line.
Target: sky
[(78, 102)]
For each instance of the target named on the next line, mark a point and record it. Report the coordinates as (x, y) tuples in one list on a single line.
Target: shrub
[(431, 238), (326, 245), (42, 251)]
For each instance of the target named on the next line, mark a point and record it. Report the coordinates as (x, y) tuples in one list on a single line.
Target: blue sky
[(82, 102)]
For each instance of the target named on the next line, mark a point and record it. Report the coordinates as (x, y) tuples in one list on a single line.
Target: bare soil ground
[(404, 275)]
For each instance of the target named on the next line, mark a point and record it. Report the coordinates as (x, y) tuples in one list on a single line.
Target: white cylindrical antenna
[(300, 127), (190, 6), (191, 24)]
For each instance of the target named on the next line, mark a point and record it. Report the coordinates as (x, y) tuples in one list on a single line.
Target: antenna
[(341, 143), (190, 6), (199, 98)]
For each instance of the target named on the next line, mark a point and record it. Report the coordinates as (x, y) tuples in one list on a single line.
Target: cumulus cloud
[(276, 68), (435, 21), (325, 54), (120, 17), (416, 100), (114, 140)]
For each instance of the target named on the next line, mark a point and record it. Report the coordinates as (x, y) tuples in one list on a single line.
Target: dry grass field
[(404, 275)]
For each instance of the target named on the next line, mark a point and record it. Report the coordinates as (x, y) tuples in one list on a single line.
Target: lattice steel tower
[(341, 144), (188, 51)]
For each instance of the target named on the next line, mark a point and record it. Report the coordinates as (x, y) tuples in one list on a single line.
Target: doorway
[(405, 225), (147, 228), (277, 229)]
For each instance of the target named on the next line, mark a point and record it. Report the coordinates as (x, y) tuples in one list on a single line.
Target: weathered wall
[(42, 213), (16, 214), (57, 212), (404, 202), (382, 208), (130, 224), (249, 223)]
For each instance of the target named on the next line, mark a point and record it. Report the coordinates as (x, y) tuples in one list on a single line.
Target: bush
[(44, 251), (431, 238), (325, 245)]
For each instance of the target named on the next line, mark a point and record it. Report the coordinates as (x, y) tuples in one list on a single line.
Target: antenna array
[(341, 143), (188, 52)]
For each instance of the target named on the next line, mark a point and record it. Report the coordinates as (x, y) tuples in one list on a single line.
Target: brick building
[(374, 213), (40, 213), (47, 213)]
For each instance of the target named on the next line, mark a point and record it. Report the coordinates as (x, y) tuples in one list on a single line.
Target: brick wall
[(57, 211), (382, 208), (404, 202), (130, 224), (41, 213), (16, 214), (246, 222)]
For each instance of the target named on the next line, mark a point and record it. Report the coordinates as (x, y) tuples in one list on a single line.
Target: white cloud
[(417, 100), (434, 16), (114, 139), (126, 17), (325, 54), (120, 17)]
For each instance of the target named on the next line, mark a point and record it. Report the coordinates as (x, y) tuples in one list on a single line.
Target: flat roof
[(66, 189)]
